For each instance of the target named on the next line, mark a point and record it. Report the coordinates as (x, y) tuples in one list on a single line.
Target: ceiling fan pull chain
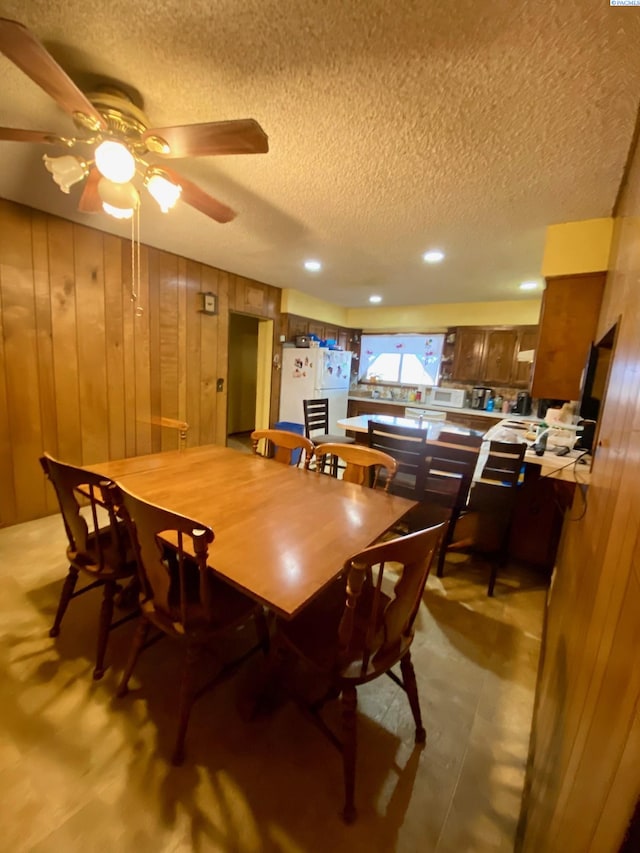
[(139, 309), (135, 260), (134, 295)]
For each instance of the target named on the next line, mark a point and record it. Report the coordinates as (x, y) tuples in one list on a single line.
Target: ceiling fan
[(118, 141)]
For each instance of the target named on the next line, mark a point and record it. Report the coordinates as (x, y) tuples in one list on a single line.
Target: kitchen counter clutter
[(476, 419), (496, 416), (573, 467)]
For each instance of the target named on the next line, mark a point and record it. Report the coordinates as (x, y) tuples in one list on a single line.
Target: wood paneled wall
[(584, 777), (83, 369)]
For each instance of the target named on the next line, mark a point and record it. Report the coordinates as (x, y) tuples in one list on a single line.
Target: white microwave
[(454, 397)]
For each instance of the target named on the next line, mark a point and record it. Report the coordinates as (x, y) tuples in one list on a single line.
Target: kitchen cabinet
[(468, 355), (568, 322), (521, 370), (482, 423), (294, 325), (368, 406), (537, 518), (499, 348), (489, 355)]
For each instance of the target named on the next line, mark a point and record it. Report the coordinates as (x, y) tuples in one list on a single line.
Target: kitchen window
[(400, 359)]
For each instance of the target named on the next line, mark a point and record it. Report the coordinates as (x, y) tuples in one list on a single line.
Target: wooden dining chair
[(316, 427), (99, 550), (406, 445), (362, 464), (486, 524), (443, 482), (287, 447), (358, 630), (182, 597)]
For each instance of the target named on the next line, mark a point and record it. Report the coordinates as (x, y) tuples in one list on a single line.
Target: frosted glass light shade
[(164, 191), (118, 200), (115, 161), (66, 170)]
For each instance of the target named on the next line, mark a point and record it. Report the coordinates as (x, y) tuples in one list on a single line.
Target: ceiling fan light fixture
[(118, 200), (115, 162), (117, 212), (163, 190), (66, 170)]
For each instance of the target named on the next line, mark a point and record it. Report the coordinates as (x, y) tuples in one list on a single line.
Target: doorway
[(249, 378)]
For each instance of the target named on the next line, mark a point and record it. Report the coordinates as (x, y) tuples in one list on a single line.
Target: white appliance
[(309, 374), (454, 397)]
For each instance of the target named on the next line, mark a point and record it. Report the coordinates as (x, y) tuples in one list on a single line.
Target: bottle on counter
[(491, 403), (541, 441)]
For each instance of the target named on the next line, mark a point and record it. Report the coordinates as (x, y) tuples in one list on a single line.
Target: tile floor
[(82, 770)]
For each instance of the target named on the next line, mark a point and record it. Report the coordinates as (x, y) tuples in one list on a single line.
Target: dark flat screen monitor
[(595, 379)]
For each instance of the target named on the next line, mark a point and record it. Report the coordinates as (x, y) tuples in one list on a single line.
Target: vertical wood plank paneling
[(193, 353), (8, 513), (583, 778), (226, 297), (114, 334), (168, 280), (182, 339), (91, 373), (141, 367), (92, 378), (47, 386), (21, 361), (129, 348), (209, 331), (65, 345), (153, 322)]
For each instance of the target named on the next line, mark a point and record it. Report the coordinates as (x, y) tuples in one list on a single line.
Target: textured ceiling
[(393, 127)]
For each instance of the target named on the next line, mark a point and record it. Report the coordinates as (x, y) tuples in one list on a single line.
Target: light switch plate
[(208, 303)]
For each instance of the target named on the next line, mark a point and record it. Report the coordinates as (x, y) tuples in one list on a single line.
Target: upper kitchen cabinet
[(295, 326), (490, 355), (568, 322), (469, 354), (527, 342), (500, 345)]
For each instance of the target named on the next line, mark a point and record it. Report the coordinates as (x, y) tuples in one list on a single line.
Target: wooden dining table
[(281, 533)]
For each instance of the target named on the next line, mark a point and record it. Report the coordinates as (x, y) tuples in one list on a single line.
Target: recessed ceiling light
[(375, 299), (433, 256), (528, 285), (313, 266)]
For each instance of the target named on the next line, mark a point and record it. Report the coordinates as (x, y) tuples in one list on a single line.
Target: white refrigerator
[(309, 374)]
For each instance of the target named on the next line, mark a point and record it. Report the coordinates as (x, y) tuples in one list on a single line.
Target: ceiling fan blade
[(90, 201), (242, 136), (14, 134), (202, 201), (23, 49)]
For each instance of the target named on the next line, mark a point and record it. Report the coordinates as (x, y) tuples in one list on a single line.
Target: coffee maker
[(480, 397), (523, 403)]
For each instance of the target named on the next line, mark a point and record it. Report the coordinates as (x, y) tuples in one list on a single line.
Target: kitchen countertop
[(360, 423), (435, 408)]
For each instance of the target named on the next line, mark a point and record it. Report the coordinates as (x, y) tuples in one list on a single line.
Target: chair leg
[(106, 616), (500, 561), (492, 578), (139, 639), (187, 696), (65, 597), (349, 719), (444, 544), (411, 686), (262, 630)]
